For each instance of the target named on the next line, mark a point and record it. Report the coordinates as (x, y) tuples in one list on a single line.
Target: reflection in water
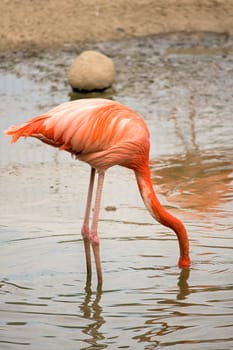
[(198, 181), (158, 328), (92, 311), (179, 130), (183, 284)]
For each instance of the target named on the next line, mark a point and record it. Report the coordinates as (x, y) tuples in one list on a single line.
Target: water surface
[(183, 87)]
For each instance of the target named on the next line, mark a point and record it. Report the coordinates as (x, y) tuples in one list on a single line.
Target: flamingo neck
[(162, 215)]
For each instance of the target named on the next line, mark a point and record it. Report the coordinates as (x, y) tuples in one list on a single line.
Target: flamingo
[(103, 133)]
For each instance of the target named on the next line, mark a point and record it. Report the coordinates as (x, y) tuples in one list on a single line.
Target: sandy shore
[(29, 23)]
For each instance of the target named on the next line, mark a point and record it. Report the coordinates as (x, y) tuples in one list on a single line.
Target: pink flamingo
[(103, 133)]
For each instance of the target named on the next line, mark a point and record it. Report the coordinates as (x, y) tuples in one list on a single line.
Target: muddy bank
[(26, 24)]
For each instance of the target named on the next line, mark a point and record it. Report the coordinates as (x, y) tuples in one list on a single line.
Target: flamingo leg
[(94, 227), (85, 228)]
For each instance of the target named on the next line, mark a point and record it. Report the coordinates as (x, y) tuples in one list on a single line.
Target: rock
[(90, 71)]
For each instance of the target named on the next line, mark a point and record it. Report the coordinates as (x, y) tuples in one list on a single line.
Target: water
[(183, 87)]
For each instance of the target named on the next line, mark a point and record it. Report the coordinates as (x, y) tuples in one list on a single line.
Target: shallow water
[(183, 87)]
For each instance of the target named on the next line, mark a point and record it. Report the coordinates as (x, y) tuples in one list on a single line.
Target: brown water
[(183, 87)]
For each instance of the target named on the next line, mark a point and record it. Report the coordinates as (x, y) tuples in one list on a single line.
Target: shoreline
[(28, 25)]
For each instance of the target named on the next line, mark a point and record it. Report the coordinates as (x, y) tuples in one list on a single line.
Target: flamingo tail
[(31, 128)]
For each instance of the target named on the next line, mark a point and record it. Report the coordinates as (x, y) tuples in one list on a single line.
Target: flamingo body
[(103, 133), (100, 132)]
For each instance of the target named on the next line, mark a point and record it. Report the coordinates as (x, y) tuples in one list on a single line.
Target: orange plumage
[(103, 133), (100, 132)]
